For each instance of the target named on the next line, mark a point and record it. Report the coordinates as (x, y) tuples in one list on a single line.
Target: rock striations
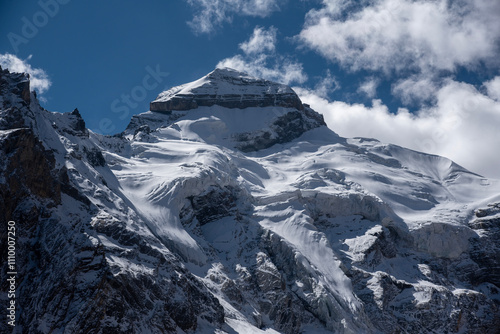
[(228, 88), (230, 207)]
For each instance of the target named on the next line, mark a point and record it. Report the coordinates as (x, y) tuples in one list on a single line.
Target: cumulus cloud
[(417, 46), (397, 35), (261, 60), (462, 125), (211, 14), (493, 88), (39, 80), (416, 89), (262, 40)]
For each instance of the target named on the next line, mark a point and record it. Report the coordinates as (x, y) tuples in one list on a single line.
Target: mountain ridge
[(173, 226)]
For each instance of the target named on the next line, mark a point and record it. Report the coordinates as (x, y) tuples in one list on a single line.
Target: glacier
[(230, 207)]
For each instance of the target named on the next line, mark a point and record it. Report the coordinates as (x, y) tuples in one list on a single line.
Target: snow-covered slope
[(210, 215)]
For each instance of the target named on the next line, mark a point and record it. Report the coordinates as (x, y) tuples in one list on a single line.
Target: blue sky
[(421, 74)]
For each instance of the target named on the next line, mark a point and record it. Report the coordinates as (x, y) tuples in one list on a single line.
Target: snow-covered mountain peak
[(228, 108), (227, 88), (237, 81)]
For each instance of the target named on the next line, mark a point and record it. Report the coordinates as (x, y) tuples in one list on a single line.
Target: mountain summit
[(232, 208), (228, 88), (231, 108)]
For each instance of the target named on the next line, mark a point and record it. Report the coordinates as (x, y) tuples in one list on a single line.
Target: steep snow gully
[(230, 207)]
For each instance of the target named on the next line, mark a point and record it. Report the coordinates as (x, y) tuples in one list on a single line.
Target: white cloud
[(39, 80), (369, 87), (211, 14), (395, 35), (261, 60), (275, 68), (462, 125), (326, 85), (416, 89), (261, 41), (493, 88)]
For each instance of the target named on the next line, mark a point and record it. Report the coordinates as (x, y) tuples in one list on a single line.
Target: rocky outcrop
[(27, 172), (213, 204), (190, 101), (76, 124), (484, 249), (284, 129), (15, 87)]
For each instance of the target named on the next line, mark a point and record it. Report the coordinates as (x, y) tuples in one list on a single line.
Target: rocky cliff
[(228, 88)]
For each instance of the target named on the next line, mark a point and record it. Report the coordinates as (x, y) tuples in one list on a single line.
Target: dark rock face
[(32, 188), (485, 251), (28, 171), (15, 93), (17, 85), (11, 118), (78, 123), (285, 128), (214, 204), (246, 92), (190, 101), (95, 157)]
